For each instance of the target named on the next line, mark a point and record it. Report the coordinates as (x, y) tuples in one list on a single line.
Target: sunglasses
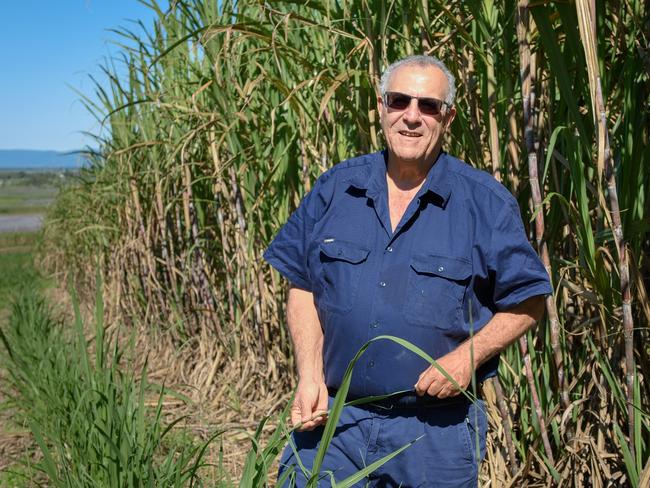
[(426, 105)]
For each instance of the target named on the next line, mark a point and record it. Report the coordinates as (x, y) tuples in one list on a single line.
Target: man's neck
[(408, 175)]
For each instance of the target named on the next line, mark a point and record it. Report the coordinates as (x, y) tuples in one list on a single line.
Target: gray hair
[(421, 61)]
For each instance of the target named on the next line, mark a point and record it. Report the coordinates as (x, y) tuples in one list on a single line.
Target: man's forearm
[(306, 334), (502, 330), (309, 408)]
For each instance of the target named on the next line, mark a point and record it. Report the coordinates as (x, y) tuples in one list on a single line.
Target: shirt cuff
[(288, 272), (522, 294)]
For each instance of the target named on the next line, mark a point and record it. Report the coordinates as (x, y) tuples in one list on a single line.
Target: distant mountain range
[(18, 159)]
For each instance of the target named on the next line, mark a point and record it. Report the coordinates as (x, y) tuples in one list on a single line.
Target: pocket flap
[(456, 269), (344, 251)]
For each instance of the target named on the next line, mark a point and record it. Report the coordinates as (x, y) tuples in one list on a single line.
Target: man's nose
[(412, 112)]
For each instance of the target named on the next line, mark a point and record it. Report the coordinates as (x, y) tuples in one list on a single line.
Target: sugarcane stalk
[(528, 97), (587, 20), (505, 415), (512, 147), (495, 153), (523, 345)]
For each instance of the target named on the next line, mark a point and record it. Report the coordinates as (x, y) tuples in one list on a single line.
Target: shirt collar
[(372, 177)]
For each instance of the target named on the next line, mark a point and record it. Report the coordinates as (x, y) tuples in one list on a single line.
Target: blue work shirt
[(458, 256)]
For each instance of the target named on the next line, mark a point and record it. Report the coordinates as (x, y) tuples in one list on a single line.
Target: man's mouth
[(408, 133)]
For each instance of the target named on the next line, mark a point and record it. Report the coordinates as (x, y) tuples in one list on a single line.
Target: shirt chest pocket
[(341, 264), (435, 291)]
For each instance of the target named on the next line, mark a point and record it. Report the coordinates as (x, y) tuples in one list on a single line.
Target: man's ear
[(380, 107), (450, 115)]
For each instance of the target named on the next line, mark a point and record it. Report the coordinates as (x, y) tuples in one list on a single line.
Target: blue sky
[(47, 49)]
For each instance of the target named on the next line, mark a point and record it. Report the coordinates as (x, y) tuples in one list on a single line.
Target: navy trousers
[(448, 453)]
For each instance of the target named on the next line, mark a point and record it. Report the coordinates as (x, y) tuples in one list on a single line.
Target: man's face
[(411, 136)]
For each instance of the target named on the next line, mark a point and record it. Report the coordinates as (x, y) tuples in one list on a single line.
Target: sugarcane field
[(216, 288)]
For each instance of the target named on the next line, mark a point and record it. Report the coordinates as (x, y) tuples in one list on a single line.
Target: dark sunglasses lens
[(397, 101), (400, 101), (429, 106)]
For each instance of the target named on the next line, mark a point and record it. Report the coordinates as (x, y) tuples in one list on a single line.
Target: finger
[(422, 384), (323, 397), (321, 419), (443, 393), (320, 416), (449, 390), (312, 423), (434, 390), (422, 387), (437, 385), (305, 410), (427, 378), (322, 404), (296, 418), (307, 426)]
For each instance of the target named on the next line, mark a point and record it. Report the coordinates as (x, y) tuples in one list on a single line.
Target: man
[(414, 243)]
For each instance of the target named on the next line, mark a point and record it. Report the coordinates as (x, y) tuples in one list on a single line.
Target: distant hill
[(29, 159)]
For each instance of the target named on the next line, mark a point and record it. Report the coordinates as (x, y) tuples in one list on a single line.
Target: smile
[(409, 133)]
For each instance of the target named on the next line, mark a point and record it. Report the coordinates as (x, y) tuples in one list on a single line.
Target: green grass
[(19, 474), (17, 272), (17, 265), (86, 410), (21, 200), (16, 269)]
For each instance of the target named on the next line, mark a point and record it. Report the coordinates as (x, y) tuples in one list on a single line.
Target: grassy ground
[(22, 193), (44, 370), (50, 360), (22, 309), (20, 454), (17, 271), (16, 265), (20, 200), (30, 192)]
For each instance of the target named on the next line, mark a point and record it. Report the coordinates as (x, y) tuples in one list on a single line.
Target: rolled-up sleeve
[(517, 270), (288, 251)]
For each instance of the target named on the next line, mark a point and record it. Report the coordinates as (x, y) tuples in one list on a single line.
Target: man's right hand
[(309, 409)]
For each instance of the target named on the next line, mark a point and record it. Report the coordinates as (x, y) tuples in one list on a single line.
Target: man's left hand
[(502, 330), (458, 366)]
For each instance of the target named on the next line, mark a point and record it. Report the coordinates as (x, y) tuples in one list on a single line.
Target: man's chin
[(409, 157)]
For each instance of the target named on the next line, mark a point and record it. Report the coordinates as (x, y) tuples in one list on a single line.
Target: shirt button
[(441, 268), (389, 249), (371, 363), (374, 325), (382, 284)]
